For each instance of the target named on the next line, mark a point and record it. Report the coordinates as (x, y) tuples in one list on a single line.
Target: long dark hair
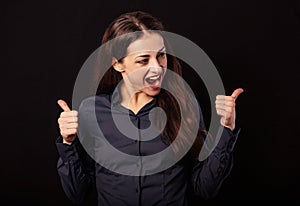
[(132, 22)]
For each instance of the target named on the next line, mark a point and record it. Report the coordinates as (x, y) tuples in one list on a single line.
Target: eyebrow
[(147, 55)]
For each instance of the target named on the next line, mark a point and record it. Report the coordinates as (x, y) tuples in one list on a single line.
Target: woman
[(139, 80)]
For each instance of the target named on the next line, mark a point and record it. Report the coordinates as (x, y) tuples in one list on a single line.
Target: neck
[(133, 100)]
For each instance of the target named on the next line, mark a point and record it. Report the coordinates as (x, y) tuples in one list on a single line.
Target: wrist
[(66, 142), (231, 127), (69, 139)]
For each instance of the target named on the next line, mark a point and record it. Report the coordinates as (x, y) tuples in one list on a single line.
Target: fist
[(225, 106), (68, 123)]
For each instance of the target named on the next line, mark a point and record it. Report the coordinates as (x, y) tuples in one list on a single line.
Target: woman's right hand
[(68, 123)]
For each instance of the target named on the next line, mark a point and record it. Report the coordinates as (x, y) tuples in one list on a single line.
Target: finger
[(224, 98), (72, 113), (63, 105), (72, 126), (69, 126), (225, 108), (220, 107), (237, 92), (224, 114), (69, 122), (68, 132), (221, 112), (225, 122), (64, 120), (230, 103)]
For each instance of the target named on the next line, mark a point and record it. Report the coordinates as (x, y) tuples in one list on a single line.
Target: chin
[(152, 93)]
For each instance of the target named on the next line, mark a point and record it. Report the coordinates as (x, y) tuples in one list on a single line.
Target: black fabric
[(79, 172)]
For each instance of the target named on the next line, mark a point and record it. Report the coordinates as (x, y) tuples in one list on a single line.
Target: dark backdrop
[(254, 44)]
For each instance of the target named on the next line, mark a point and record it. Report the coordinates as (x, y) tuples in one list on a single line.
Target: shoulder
[(97, 101)]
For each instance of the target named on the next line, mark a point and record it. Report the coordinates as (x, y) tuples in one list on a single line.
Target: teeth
[(154, 77)]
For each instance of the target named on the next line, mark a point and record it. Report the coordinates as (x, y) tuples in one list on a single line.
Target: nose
[(153, 70), (155, 63)]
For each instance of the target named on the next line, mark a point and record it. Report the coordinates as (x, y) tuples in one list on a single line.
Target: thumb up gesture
[(225, 106), (68, 123)]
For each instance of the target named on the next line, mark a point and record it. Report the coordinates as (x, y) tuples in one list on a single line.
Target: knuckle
[(62, 132), (228, 110), (63, 114), (227, 115), (232, 102)]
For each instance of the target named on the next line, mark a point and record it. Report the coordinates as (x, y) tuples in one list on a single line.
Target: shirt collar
[(115, 102)]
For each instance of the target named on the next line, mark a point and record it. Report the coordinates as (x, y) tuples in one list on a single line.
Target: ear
[(118, 66)]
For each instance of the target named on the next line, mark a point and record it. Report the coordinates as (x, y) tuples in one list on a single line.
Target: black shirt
[(173, 186)]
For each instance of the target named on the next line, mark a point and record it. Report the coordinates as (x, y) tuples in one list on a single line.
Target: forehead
[(147, 43)]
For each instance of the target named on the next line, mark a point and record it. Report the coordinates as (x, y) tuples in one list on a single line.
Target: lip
[(154, 81)]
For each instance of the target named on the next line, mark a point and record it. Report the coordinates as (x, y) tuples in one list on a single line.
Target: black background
[(254, 45)]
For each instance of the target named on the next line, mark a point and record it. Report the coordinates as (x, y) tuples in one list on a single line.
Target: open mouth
[(153, 79)]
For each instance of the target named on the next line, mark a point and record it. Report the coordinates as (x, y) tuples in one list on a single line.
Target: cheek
[(136, 80), (136, 77), (165, 63)]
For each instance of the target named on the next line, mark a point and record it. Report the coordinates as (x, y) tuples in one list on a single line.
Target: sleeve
[(209, 174), (76, 170)]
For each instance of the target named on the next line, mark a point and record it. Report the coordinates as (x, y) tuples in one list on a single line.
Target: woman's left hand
[(225, 106)]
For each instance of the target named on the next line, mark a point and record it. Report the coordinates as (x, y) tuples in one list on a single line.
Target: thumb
[(63, 105), (237, 92)]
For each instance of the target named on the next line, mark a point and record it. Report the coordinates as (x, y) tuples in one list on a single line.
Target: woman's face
[(144, 67)]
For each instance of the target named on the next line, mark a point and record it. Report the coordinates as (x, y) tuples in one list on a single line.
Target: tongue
[(154, 84), (151, 81)]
